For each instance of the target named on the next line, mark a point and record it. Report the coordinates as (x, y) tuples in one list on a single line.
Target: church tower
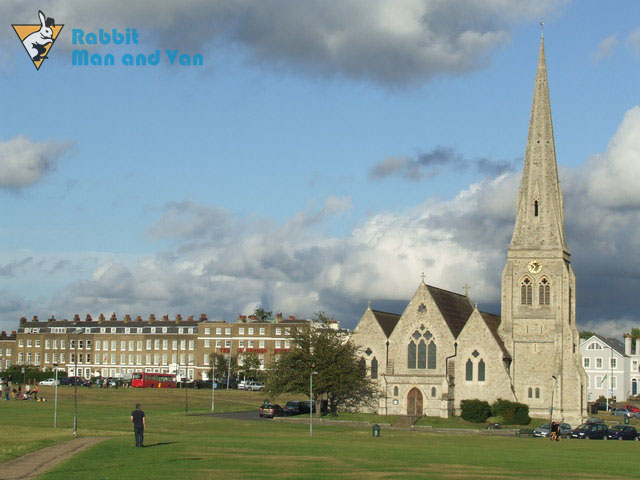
[(538, 284)]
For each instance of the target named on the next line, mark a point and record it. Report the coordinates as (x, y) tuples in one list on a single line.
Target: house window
[(613, 382), (613, 362), (594, 346), (598, 363), (374, 368), (526, 291), (544, 292), (586, 362)]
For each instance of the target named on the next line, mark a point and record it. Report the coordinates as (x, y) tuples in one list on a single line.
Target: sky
[(324, 155)]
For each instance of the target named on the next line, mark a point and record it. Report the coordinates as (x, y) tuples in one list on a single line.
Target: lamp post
[(75, 388), (555, 382), (213, 380), (55, 398), (311, 402)]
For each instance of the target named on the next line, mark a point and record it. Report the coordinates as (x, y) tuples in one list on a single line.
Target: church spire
[(539, 215)]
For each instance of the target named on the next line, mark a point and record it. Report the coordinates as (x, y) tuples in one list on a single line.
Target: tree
[(335, 359), (262, 314), (222, 365), (584, 334), (635, 333), (250, 365)]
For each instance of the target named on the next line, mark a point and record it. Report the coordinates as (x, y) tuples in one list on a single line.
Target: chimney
[(278, 317), (627, 344), (127, 318), (165, 318), (35, 318), (203, 317), (23, 320), (292, 317), (190, 318), (178, 318), (4, 334), (88, 318), (113, 317), (101, 318), (76, 318), (13, 333), (638, 346), (152, 318), (138, 318)]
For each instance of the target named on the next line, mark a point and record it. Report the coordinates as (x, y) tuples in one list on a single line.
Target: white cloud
[(606, 47), (24, 162), (634, 40), (614, 176), (390, 42)]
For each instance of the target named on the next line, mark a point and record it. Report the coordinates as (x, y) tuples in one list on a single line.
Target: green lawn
[(199, 447)]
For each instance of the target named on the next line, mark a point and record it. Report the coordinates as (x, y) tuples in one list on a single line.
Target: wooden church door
[(414, 403)]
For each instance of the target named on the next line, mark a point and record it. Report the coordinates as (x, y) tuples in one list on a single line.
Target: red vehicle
[(153, 380), (632, 408)]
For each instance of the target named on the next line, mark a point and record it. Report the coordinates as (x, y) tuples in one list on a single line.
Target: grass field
[(199, 447)]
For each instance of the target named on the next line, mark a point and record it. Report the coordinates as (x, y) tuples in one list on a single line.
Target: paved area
[(36, 463), (249, 415)]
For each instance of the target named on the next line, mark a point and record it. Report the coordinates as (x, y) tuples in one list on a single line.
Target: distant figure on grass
[(139, 425)]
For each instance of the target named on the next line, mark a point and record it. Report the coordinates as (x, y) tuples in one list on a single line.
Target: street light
[(213, 380), (55, 398), (555, 382), (311, 402), (75, 386)]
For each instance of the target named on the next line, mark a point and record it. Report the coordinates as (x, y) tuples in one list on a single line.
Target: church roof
[(387, 321), (455, 308), (493, 322)]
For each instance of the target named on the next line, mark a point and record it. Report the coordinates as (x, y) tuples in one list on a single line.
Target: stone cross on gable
[(422, 276), (466, 289)]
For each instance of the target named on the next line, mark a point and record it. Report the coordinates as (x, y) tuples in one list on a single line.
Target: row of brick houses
[(112, 347)]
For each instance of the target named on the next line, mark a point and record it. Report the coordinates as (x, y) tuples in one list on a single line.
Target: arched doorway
[(634, 387), (414, 403)]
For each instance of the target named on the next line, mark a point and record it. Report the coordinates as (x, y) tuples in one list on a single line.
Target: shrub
[(513, 413), (476, 411), (497, 419)]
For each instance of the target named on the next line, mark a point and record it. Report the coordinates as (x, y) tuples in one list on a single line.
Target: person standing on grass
[(139, 425)]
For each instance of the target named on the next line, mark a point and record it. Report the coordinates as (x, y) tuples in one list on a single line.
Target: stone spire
[(539, 215)]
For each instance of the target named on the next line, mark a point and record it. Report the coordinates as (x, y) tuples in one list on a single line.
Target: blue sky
[(277, 174)]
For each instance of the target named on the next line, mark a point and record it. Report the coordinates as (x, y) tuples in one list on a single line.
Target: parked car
[(73, 381), (590, 431), (271, 410), (49, 381), (621, 412), (543, 430), (296, 408), (622, 432), (254, 386), (632, 408), (242, 385)]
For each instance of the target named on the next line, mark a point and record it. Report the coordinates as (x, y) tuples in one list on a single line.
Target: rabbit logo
[(38, 39)]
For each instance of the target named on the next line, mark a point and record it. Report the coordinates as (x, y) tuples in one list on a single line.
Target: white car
[(254, 386), (49, 381)]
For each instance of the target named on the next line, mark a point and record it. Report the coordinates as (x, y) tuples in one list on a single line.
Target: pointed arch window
[(421, 350), (396, 392), (526, 292), (374, 368), (469, 371), (544, 292), (363, 366), (537, 392), (535, 208), (433, 391), (530, 392), (481, 369)]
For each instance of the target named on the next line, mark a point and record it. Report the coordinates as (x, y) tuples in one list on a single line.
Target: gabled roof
[(387, 321), (611, 342), (455, 308), (493, 322)]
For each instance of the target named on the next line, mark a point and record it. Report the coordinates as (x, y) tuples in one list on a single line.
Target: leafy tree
[(336, 360), (262, 314), (250, 365), (635, 333), (223, 367), (584, 334)]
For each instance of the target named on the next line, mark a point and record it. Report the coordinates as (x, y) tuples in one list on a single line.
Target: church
[(442, 349)]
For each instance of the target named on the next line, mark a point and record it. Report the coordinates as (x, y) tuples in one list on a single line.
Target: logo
[(38, 39)]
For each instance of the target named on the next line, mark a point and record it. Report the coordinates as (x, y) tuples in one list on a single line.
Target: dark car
[(271, 410), (296, 408), (73, 381), (590, 431), (622, 432)]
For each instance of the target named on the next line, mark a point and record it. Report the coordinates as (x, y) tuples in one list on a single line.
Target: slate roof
[(386, 320), (455, 308), (493, 322), (614, 343)]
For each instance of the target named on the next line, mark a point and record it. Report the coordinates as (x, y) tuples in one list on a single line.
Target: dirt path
[(36, 463)]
